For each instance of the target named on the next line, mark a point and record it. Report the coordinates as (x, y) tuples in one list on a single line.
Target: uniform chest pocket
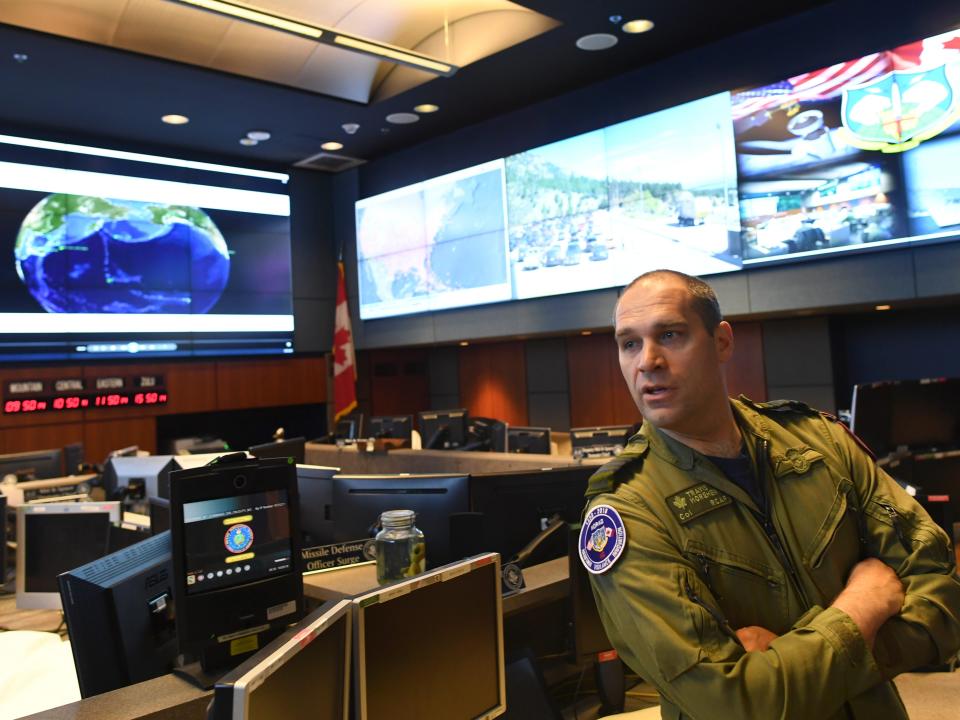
[(835, 547), (747, 591)]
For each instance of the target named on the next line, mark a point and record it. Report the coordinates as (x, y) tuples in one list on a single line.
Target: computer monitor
[(486, 434), (138, 476), (33, 465), (358, 501), (53, 538), (432, 646), (119, 614), (515, 506), (528, 440), (159, 513), (393, 426), (295, 448), (301, 675), (602, 441), (186, 462), (443, 429), (235, 529), (349, 427), (315, 483), (74, 458), (915, 414)]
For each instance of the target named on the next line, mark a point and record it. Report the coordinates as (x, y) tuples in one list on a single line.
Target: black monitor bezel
[(52, 457), (528, 431), (199, 616), (425, 419)]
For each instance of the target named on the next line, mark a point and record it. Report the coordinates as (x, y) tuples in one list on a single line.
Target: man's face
[(672, 365)]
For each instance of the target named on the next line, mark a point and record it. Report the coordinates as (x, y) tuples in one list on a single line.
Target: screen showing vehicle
[(236, 540), (115, 254), (844, 157), (589, 212)]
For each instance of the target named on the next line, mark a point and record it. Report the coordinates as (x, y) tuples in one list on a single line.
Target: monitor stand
[(194, 674)]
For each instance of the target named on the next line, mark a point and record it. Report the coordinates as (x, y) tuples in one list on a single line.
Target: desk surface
[(545, 583)]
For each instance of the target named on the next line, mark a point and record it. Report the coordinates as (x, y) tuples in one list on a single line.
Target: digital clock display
[(87, 400)]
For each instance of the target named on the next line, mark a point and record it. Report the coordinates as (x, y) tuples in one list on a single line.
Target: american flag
[(829, 82), (817, 85)]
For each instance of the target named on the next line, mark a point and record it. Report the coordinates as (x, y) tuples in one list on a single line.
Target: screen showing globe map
[(141, 255)]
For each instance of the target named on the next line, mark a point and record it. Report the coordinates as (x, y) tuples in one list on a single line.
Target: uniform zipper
[(720, 619), (766, 522), (705, 565), (895, 521)]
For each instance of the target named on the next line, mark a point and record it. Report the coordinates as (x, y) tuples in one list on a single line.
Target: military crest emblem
[(901, 109), (603, 539)]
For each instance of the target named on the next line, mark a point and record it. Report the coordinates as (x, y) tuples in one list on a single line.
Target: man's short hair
[(702, 297)]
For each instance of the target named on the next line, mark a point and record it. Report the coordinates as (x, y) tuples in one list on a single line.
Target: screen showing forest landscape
[(854, 156)]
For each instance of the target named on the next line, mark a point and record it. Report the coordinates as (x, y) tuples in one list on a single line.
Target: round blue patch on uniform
[(602, 539), (238, 538)]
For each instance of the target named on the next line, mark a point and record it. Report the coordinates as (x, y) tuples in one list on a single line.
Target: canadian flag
[(344, 364)]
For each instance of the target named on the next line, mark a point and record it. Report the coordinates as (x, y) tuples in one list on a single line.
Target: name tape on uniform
[(603, 539), (696, 501)]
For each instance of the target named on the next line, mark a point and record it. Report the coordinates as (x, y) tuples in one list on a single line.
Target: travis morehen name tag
[(602, 539), (696, 501)]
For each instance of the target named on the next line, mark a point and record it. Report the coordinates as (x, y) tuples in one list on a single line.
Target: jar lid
[(397, 518)]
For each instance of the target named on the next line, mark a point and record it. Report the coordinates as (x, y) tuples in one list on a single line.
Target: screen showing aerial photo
[(843, 157), (589, 212), (598, 209)]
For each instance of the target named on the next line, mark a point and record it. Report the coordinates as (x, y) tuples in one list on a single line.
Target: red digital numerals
[(76, 402)]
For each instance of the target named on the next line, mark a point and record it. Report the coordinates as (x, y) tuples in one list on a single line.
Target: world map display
[(85, 254), (446, 237)]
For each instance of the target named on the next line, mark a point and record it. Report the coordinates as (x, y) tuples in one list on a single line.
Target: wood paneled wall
[(598, 394), (192, 387), (745, 372), (399, 384), (493, 381)]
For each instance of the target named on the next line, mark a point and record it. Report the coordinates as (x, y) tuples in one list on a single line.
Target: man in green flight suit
[(750, 559)]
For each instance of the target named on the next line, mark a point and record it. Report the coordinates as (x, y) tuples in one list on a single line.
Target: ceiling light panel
[(432, 36)]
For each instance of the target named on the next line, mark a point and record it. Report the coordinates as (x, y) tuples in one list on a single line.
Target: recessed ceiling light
[(332, 145), (637, 26), (21, 57), (426, 108), (402, 118), (247, 142), (175, 119), (882, 307), (597, 41), (258, 135)]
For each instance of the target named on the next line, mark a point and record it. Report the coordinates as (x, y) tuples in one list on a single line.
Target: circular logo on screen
[(602, 539), (238, 538)]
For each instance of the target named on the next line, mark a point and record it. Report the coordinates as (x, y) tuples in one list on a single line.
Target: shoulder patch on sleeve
[(603, 539)]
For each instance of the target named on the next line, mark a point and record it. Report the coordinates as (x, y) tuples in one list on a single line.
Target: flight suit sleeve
[(898, 531), (664, 623)]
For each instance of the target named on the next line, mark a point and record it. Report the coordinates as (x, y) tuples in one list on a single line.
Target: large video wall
[(851, 157)]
